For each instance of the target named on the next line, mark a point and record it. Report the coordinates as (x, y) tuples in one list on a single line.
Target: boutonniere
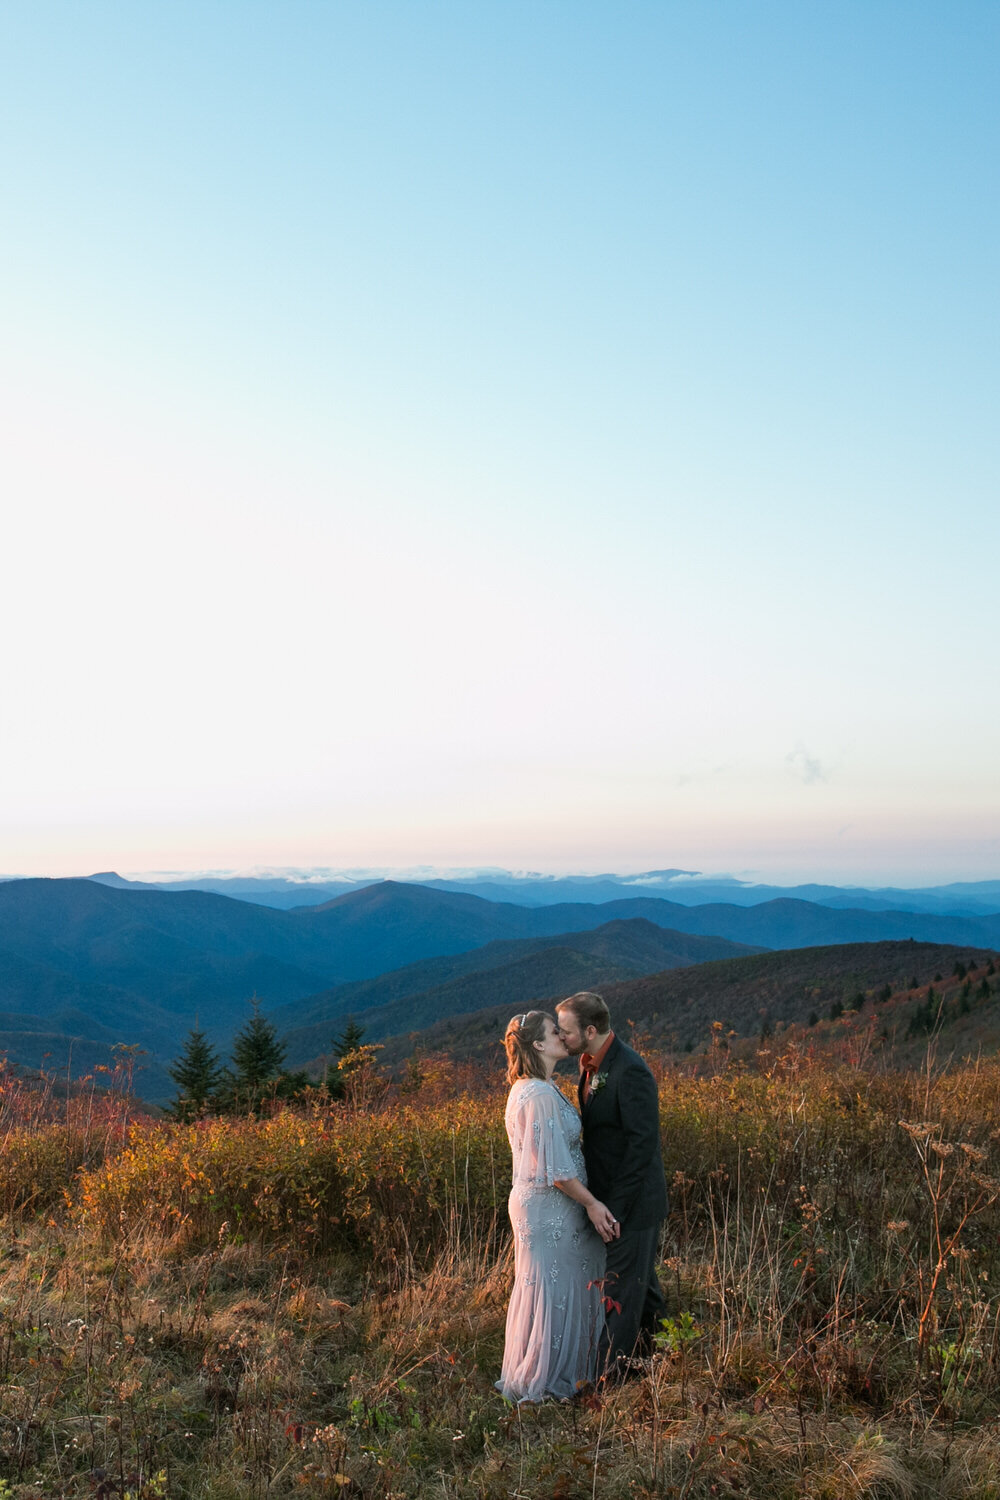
[(598, 1081)]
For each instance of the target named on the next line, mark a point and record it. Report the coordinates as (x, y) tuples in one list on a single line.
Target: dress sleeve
[(541, 1150)]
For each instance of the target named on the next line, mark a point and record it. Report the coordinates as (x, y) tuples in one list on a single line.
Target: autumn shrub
[(832, 1270), (394, 1181), (38, 1166), (50, 1128), (837, 1207), (835, 1131)]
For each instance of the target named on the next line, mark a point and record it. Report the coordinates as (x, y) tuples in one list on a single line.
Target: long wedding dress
[(556, 1313)]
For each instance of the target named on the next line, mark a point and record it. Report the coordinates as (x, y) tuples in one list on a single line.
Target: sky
[(556, 436)]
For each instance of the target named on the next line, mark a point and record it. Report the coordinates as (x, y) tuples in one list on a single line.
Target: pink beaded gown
[(556, 1313)]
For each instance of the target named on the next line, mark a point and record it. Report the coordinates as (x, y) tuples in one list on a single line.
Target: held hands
[(604, 1221)]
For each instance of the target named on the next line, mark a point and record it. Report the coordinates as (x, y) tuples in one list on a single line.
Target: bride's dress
[(556, 1314)]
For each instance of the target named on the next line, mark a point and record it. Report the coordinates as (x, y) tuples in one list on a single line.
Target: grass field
[(313, 1303)]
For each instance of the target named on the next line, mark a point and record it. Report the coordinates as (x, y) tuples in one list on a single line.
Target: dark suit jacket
[(621, 1140)]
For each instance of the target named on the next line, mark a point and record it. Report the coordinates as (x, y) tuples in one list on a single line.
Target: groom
[(619, 1106)]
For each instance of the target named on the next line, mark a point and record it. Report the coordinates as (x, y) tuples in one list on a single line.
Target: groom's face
[(572, 1033)]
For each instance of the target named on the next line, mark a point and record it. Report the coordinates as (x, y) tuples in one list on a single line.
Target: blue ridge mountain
[(144, 963), (676, 1009), (522, 973), (960, 898)]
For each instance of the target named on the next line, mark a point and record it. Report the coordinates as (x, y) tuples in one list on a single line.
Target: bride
[(556, 1314)]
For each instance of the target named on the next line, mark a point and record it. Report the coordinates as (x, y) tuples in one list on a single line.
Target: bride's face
[(551, 1048)]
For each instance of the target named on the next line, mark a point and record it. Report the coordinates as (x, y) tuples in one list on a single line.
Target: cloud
[(808, 768)]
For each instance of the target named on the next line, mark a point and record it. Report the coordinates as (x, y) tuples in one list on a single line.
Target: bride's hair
[(519, 1039)]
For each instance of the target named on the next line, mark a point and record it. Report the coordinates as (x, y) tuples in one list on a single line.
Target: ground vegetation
[(311, 1301)]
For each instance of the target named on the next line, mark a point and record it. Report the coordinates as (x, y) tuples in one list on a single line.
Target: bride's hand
[(603, 1221)]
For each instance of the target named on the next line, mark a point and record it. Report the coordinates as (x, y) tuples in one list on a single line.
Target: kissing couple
[(587, 1213)]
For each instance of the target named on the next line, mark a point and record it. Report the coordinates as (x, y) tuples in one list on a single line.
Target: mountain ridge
[(677, 1007), (144, 962), (527, 972)]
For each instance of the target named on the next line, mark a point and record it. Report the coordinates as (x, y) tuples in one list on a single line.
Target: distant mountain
[(677, 1008), (516, 974), (272, 891), (804, 924), (969, 898), (143, 963)]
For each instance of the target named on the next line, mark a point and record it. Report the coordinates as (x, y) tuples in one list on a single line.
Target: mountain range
[(516, 975), (87, 960), (676, 1009), (686, 887)]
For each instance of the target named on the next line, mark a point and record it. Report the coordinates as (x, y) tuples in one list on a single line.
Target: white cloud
[(808, 768)]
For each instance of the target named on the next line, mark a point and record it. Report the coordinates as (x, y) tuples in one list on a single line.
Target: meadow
[(312, 1303)]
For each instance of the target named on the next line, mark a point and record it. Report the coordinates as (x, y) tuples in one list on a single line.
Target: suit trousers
[(631, 1284)]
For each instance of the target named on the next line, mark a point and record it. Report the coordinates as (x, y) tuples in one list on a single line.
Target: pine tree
[(348, 1041), (258, 1059), (198, 1076), (350, 1038)]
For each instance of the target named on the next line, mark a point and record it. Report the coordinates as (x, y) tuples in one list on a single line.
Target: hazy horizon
[(417, 874)]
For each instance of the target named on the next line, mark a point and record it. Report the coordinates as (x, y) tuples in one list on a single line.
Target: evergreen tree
[(198, 1076), (836, 1010), (926, 1016), (348, 1041), (258, 1059), (813, 1019)]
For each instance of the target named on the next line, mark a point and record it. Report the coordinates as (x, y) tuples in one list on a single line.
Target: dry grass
[(314, 1304)]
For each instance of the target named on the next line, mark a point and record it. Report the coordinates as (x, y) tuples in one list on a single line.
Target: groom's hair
[(589, 1010), (519, 1044)]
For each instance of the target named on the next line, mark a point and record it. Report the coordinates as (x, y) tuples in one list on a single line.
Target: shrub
[(389, 1181), (37, 1166)]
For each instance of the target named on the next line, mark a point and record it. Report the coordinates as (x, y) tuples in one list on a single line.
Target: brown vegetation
[(313, 1303)]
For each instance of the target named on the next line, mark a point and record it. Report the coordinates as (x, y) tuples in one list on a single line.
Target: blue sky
[(551, 435)]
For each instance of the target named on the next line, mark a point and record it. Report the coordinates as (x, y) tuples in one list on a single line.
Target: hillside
[(677, 1008), (802, 924), (84, 956), (510, 973)]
